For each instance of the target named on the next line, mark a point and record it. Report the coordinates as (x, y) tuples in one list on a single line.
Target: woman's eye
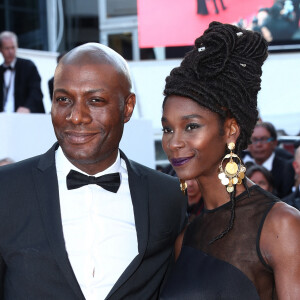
[(192, 126), (166, 130)]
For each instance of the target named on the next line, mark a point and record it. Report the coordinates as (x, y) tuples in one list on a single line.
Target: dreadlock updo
[(222, 73)]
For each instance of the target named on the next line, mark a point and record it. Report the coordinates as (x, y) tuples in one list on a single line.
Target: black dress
[(231, 267)]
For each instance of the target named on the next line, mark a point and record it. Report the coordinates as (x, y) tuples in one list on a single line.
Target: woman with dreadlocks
[(246, 242)]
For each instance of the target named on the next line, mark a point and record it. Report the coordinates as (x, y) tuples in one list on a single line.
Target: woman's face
[(258, 178), (191, 138)]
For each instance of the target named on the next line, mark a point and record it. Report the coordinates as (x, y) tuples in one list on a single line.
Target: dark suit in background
[(283, 175), (293, 199), (27, 91), (34, 262)]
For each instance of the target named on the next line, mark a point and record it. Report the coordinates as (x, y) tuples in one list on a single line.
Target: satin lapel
[(1, 87), (19, 69), (138, 185), (45, 178)]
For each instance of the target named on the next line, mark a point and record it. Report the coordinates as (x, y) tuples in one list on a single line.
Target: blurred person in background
[(6, 161), (51, 80), (294, 198), (20, 82), (262, 177), (195, 200), (278, 25), (263, 152)]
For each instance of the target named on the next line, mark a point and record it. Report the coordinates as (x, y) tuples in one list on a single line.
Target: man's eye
[(62, 99), (97, 100)]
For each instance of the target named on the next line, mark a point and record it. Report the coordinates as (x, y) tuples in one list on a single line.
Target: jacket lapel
[(138, 186), (1, 87), (45, 178)]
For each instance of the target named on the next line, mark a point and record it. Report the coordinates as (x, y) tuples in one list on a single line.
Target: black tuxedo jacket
[(27, 86), (293, 199), (33, 260)]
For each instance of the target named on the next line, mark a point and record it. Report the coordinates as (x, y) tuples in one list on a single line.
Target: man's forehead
[(95, 53), (92, 59), (259, 130), (8, 40)]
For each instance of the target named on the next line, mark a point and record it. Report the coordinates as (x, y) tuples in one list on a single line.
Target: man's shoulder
[(20, 166), (292, 197), (144, 170), (24, 62), (24, 166)]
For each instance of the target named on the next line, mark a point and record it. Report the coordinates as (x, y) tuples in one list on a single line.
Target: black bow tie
[(7, 68), (110, 182)]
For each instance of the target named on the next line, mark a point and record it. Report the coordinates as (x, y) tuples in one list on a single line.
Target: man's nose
[(79, 114)]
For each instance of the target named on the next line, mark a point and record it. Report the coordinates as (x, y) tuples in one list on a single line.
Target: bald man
[(82, 221), (20, 81), (294, 198)]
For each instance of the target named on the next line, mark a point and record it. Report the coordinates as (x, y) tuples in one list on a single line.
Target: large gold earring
[(234, 172), (183, 186)]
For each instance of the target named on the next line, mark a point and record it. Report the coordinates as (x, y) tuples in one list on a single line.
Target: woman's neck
[(214, 193)]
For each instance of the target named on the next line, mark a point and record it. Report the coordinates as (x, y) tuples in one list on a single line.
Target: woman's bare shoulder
[(280, 248)]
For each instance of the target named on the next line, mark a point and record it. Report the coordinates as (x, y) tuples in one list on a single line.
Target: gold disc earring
[(183, 186), (234, 172)]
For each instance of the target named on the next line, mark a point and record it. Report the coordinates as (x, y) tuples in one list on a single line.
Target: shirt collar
[(12, 64), (268, 164)]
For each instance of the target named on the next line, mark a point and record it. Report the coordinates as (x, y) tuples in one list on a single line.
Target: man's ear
[(296, 167), (129, 107), (275, 144), (232, 130)]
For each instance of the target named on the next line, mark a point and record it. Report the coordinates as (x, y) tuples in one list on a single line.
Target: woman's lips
[(176, 162)]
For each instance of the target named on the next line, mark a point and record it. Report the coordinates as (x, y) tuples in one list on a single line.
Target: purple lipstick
[(176, 162)]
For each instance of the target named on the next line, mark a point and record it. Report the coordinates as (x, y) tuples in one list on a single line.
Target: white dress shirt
[(9, 84), (268, 164), (98, 227)]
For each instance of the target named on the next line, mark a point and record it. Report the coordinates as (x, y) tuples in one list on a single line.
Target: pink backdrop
[(176, 22)]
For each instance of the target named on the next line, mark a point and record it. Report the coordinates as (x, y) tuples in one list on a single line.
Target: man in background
[(264, 151), (294, 198), (195, 200), (51, 80), (20, 82)]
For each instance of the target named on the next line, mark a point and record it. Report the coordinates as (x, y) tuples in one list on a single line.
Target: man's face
[(8, 50), (296, 163), (262, 145), (89, 109)]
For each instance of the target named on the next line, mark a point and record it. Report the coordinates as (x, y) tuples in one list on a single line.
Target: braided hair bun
[(223, 73)]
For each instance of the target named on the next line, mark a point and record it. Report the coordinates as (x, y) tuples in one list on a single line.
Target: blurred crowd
[(280, 22)]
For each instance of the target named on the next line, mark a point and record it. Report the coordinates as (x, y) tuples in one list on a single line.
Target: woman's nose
[(176, 141)]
